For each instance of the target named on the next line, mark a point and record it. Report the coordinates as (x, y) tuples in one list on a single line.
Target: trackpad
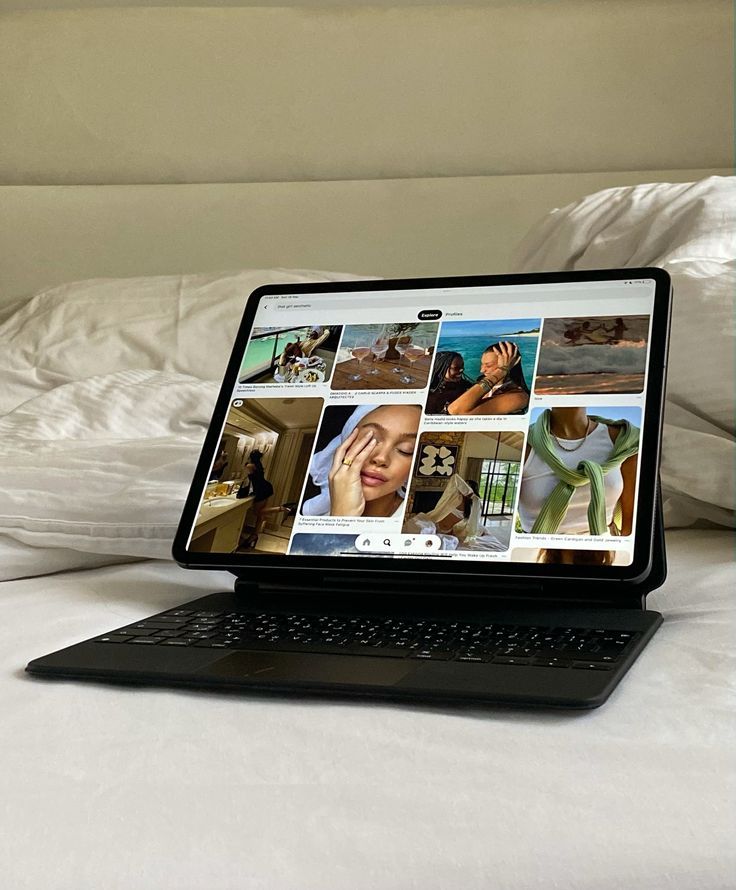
[(295, 668)]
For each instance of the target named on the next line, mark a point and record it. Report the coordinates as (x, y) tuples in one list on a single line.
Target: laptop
[(426, 490)]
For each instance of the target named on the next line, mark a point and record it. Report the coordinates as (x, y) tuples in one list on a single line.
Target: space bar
[(322, 648)]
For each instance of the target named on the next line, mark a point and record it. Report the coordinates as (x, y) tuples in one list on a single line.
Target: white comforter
[(107, 388)]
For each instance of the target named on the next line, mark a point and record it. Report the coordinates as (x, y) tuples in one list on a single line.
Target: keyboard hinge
[(244, 587), (328, 589)]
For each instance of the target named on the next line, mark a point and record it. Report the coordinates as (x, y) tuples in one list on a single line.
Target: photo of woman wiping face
[(362, 461)]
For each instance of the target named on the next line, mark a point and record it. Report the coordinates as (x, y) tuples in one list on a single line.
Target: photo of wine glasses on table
[(359, 353), (379, 348), (385, 356)]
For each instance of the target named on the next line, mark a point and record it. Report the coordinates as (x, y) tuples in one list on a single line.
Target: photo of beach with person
[(298, 355), (579, 471), (390, 356), (593, 354), (483, 367)]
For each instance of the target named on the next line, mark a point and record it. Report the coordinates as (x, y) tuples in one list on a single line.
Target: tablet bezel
[(278, 568)]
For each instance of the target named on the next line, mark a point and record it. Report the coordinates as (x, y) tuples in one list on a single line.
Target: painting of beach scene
[(600, 354)]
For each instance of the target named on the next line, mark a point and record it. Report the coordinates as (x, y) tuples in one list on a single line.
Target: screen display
[(478, 424)]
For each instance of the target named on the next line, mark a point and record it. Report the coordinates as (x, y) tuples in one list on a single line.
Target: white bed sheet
[(107, 787)]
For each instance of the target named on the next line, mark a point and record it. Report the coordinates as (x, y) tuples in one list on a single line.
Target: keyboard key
[(552, 662), (165, 619), (155, 625), (599, 656), (431, 654), (430, 640)]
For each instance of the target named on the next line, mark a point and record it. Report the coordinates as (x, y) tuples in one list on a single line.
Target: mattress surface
[(115, 787)]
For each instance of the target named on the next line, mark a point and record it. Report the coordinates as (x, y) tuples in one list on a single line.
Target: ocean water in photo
[(262, 350), (472, 347)]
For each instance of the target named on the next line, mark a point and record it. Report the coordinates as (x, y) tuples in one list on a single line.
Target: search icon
[(387, 542)]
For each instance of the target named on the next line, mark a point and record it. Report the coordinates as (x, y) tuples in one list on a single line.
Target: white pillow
[(107, 390), (690, 230), (179, 323), (103, 465)]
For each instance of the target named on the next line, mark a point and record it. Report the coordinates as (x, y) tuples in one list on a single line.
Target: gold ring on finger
[(347, 461)]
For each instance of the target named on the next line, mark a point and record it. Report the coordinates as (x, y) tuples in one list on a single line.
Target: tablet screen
[(472, 424)]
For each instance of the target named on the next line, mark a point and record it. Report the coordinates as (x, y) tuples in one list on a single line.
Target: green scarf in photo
[(587, 472)]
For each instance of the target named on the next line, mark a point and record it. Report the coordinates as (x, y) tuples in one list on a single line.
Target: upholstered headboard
[(385, 140)]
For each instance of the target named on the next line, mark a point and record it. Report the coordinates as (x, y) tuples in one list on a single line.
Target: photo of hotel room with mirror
[(385, 356), (464, 488), (484, 367), (297, 355), (257, 476)]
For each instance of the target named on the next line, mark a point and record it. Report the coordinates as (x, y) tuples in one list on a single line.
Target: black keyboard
[(558, 647)]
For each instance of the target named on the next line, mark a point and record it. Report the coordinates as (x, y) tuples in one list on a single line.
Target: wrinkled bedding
[(689, 229), (107, 390), (120, 787), (108, 385), (102, 465)]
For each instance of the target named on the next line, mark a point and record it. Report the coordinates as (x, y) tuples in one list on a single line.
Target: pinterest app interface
[(485, 423)]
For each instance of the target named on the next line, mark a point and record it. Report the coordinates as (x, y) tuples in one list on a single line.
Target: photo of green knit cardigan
[(587, 472)]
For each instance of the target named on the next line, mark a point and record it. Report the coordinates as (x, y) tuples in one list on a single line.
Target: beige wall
[(243, 94), (390, 140)]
